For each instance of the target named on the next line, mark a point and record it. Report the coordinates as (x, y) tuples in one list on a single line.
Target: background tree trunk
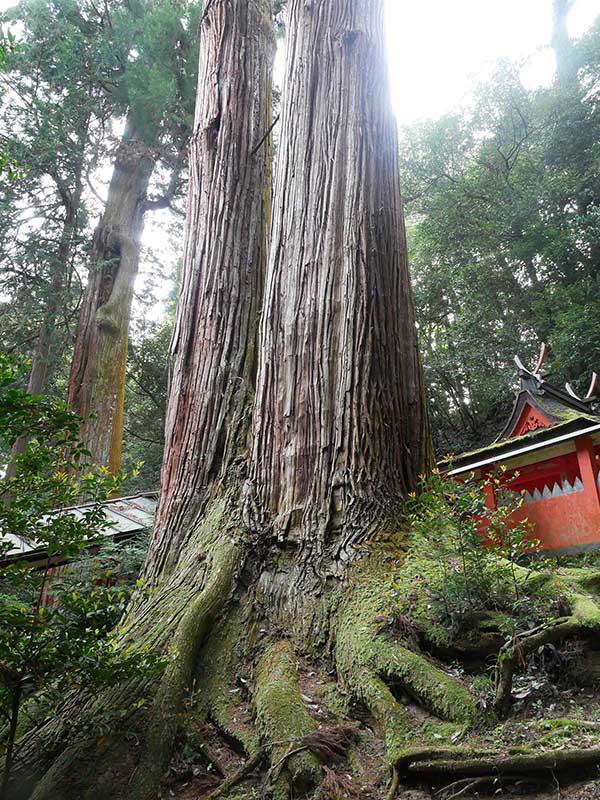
[(566, 67), (341, 427), (97, 376)]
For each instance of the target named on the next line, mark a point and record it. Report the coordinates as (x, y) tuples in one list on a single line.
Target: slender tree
[(156, 90)]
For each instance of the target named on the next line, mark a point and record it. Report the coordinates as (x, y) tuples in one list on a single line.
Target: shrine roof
[(542, 414)]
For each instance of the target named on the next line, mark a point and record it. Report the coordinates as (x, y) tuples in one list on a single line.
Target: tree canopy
[(503, 202)]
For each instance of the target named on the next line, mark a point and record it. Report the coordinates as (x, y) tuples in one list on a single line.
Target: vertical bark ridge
[(214, 341), (340, 412), (97, 375)]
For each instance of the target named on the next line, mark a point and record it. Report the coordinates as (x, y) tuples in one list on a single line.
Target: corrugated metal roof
[(128, 515)]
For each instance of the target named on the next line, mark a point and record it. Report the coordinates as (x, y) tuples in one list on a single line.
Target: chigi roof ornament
[(592, 392), (536, 372)]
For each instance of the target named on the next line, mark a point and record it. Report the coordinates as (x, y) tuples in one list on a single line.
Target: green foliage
[(159, 66), (76, 71), (55, 111), (48, 650), (49, 474), (147, 378), (454, 573), (9, 169), (503, 205)]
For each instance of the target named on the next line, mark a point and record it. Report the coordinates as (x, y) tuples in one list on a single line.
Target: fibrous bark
[(215, 336), (340, 431)]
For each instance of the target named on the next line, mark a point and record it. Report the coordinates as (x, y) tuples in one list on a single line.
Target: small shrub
[(454, 575), (46, 652)]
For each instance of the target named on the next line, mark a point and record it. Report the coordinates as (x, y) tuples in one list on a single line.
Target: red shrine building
[(550, 449)]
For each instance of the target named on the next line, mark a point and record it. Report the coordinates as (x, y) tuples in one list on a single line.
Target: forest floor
[(562, 716)]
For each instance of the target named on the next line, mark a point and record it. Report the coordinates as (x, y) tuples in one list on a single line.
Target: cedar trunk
[(340, 431), (97, 377), (215, 335)]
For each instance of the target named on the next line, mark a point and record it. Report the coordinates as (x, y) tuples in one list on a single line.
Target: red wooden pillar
[(490, 497), (590, 506), (588, 470)]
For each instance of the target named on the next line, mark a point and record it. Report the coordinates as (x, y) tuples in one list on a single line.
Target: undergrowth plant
[(47, 648), (463, 555)]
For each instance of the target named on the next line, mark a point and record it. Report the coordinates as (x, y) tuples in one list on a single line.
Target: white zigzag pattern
[(556, 491)]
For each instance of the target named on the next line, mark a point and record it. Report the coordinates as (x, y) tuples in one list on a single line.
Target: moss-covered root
[(282, 721), (371, 666), (388, 713), (217, 686), (177, 678), (456, 762), (583, 621)]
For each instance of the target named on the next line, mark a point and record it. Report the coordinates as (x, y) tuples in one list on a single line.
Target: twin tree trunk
[(339, 432), (97, 375), (290, 439)]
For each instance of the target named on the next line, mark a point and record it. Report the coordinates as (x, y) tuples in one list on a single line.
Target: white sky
[(439, 49)]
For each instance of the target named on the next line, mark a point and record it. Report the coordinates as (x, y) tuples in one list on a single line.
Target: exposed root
[(166, 711), (466, 763), (389, 714), (175, 615), (583, 621), (371, 665), (394, 784), (218, 691), (283, 722), (239, 775)]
